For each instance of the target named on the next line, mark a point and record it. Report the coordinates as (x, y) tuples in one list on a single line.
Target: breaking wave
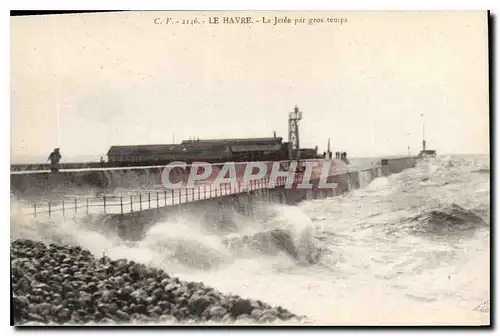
[(449, 219)]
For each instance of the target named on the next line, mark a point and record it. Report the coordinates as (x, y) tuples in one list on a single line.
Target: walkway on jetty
[(140, 201), (134, 201)]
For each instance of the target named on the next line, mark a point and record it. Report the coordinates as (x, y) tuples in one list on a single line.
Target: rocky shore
[(53, 284)]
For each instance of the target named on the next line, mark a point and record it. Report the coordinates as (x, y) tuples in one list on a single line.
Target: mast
[(423, 132), (293, 133), (328, 146)]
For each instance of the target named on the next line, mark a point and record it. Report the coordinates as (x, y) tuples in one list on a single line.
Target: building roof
[(143, 149), (230, 142), (253, 147), (200, 146)]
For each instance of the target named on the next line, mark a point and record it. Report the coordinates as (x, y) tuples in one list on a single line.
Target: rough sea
[(412, 248)]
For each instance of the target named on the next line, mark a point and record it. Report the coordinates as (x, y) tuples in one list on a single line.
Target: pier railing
[(134, 201), (144, 200)]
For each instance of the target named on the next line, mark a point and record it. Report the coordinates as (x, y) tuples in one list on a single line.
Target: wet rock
[(240, 307), (158, 293), (43, 308), (197, 304), (227, 318), (140, 309), (127, 290), (122, 316), (256, 313), (268, 316), (217, 312), (107, 320), (64, 315), (63, 284), (22, 301), (36, 317), (244, 318)]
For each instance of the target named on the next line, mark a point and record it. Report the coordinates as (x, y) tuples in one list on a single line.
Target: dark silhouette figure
[(343, 157), (54, 158)]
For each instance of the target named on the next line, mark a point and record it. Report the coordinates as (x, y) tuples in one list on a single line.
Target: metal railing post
[(131, 204), (149, 200), (165, 194), (205, 190), (34, 208), (87, 204), (140, 202), (63, 207), (121, 205), (199, 193), (76, 205), (50, 214), (104, 203), (157, 200), (180, 196)]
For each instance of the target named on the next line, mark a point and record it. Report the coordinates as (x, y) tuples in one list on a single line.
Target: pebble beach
[(56, 284)]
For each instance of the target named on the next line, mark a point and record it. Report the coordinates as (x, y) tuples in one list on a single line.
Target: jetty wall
[(40, 183), (111, 180), (398, 164)]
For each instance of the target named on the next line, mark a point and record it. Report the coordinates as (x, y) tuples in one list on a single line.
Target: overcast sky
[(86, 82)]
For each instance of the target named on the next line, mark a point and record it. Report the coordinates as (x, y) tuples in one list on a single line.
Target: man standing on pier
[(54, 158)]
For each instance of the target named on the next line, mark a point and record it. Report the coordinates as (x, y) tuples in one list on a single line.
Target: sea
[(409, 249)]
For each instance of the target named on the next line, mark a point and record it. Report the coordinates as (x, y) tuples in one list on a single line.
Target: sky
[(85, 82)]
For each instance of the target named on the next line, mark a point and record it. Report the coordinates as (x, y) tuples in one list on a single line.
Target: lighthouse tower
[(293, 134)]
